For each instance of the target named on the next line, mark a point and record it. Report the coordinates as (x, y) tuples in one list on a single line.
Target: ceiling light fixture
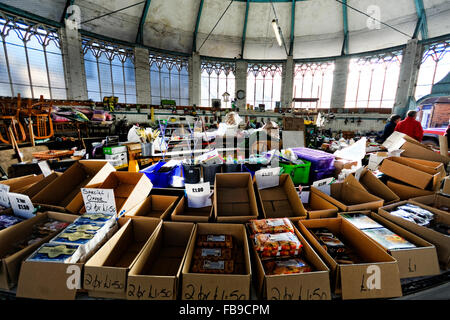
[(276, 29)]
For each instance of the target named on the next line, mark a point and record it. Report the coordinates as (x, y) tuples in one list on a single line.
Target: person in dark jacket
[(390, 126)]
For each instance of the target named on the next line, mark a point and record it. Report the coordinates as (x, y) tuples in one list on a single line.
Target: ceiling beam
[(418, 27), (244, 31), (140, 33), (344, 50), (420, 9), (64, 14), (197, 23), (291, 43)]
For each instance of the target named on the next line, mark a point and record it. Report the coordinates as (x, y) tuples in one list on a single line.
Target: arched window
[(264, 84), (217, 78)]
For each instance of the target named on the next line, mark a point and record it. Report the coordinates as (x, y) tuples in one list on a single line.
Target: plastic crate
[(320, 160), (191, 173), (252, 168), (299, 172), (160, 179), (319, 175)]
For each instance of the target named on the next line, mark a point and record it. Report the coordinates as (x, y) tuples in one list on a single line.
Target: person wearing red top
[(410, 126)]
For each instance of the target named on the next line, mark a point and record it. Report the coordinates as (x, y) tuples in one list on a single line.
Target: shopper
[(411, 126), (390, 127)]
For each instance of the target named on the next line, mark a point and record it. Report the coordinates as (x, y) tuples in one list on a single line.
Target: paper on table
[(198, 195), (21, 205), (268, 178), (99, 201), (354, 152)]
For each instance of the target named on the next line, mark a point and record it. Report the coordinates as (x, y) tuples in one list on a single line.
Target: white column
[(340, 77), (73, 64), (195, 71), (409, 70), (241, 82), (287, 83), (142, 74)]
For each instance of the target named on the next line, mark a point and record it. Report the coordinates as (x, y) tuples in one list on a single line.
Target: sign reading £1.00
[(99, 201)]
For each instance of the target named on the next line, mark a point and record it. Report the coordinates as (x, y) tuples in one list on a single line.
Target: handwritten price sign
[(99, 200)]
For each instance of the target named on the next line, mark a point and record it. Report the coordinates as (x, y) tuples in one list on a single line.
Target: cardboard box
[(107, 270), (38, 186), (349, 198), (419, 151), (156, 275), (370, 183), (201, 286), (183, 213), (412, 262), (293, 124), (436, 201), (317, 207), (20, 184), (154, 206), (234, 200), (413, 173), (10, 266), (281, 201), (130, 189), (341, 164), (446, 186), (441, 241), (405, 192), (63, 194), (378, 277), (314, 285)]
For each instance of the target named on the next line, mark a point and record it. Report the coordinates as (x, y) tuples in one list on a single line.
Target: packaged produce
[(286, 266), (213, 253), (215, 241), (277, 225), (388, 239), (210, 266), (287, 241)]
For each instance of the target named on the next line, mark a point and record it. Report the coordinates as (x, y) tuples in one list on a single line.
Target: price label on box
[(43, 165), (198, 195), (21, 205), (323, 185), (268, 178), (99, 201)]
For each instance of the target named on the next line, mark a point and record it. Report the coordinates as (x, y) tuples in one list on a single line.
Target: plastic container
[(251, 167), (209, 172), (319, 175), (232, 167), (191, 173), (160, 179), (299, 172), (321, 162)]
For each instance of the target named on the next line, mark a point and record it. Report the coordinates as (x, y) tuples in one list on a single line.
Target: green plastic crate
[(299, 172)]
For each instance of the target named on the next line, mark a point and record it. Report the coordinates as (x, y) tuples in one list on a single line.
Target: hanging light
[(276, 29)]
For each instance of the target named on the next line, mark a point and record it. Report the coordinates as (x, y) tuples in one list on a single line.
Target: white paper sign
[(4, 199), (21, 205), (198, 195), (99, 200), (43, 165), (4, 187), (394, 141), (323, 185), (268, 178), (304, 196), (358, 173)]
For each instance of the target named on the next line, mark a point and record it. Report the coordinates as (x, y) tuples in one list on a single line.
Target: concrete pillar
[(195, 79), (142, 74), (409, 71), (73, 64), (240, 83), (287, 83), (340, 78)]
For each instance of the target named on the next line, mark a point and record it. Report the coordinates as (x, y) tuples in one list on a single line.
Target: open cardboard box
[(370, 183), (157, 272), (314, 285), (21, 184), (154, 206), (446, 185), (436, 201), (378, 277), (317, 207), (130, 189), (418, 173), (38, 186), (56, 280), (63, 194), (203, 286), (183, 213), (349, 198), (10, 266), (106, 271), (412, 262), (234, 200), (405, 192), (281, 201), (441, 241)]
